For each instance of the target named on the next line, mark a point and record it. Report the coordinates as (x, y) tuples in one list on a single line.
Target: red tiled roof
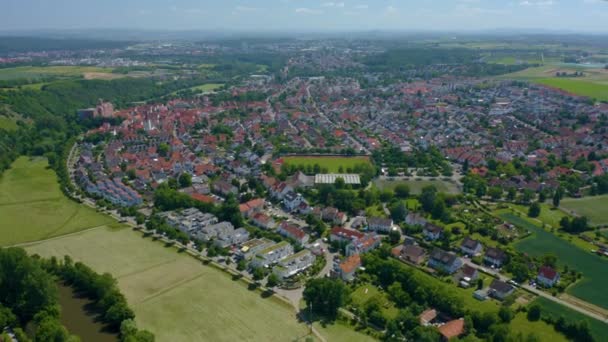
[(350, 264), (452, 328)]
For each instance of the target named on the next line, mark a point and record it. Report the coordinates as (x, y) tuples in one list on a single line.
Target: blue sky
[(309, 15)]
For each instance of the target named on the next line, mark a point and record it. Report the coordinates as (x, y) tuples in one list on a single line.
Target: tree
[(427, 198), (534, 210), (505, 314), (398, 212), (163, 149), (402, 191), (258, 273), (439, 209), (534, 312), (495, 192), (339, 183), (273, 280), (325, 296), (394, 236), (557, 197), (185, 180)]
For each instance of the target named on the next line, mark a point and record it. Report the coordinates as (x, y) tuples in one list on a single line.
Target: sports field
[(33, 208), (599, 330), (417, 186), (331, 163), (591, 287), (174, 295), (595, 208)]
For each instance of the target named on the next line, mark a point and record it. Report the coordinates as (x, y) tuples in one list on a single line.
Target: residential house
[(413, 253), (224, 188), (254, 206), (272, 254), (293, 232), (427, 317), (294, 264), (432, 232), (379, 224), (415, 219), (363, 245), (495, 257), (292, 200), (452, 329), (447, 262), (547, 276), (347, 268), (250, 248), (263, 221), (500, 290), (471, 247), (469, 272), (235, 237), (211, 232), (344, 235)]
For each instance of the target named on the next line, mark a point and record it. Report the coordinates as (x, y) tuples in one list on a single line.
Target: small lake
[(79, 318)]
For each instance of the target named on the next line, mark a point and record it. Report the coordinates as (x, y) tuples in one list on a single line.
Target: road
[(537, 292)]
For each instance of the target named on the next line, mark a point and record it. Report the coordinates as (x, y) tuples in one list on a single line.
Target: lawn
[(31, 72), (331, 163), (174, 295), (548, 214), (339, 332), (33, 208), (417, 186), (592, 207), (591, 287), (366, 292), (542, 330), (551, 309)]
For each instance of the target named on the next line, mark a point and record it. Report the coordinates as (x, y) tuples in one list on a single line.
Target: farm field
[(32, 207), (417, 186), (551, 309), (592, 207), (331, 163), (174, 295), (31, 72), (591, 287)]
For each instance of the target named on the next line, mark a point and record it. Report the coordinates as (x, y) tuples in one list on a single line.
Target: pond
[(80, 318)]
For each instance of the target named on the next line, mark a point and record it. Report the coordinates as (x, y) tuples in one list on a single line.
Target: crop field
[(32, 207), (599, 330), (331, 163), (31, 72), (417, 186), (594, 84), (173, 294), (591, 287), (592, 207)]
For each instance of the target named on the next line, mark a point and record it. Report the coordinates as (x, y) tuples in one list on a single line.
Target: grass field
[(175, 296), (366, 292), (592, 207), (591, 287), (31, 72), (33, 208), (207, 87), (417, 186), (552, 309), (7, 123), (540, 329), (331, 163), (339, 332), (548, 215), (594, 84)]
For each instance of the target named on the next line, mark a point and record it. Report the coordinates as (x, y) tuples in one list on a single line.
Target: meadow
[(207, 87), (579, 86), (7, 123), (33, 72), (416, 186), (541, 242), (541, 329), (331, 163), (599, 330), (32, 207), (173, 294), (366, 292), (592, 207)]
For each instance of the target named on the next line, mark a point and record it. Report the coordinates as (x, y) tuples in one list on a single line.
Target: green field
[(594, 84), (31, 72), (331, 163), (173, 294), (339, 332), (207, 87), (542, 330), (7, 123), (552, 309), (366, 292), (579, 86), (592, 207), (591, 287), (33, 208), (417, 186)]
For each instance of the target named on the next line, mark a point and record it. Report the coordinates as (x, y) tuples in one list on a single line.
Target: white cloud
[(538, 3), (306, 10), (333, 4)]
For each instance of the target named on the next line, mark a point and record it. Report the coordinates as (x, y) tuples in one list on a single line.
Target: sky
[(306, 15)]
